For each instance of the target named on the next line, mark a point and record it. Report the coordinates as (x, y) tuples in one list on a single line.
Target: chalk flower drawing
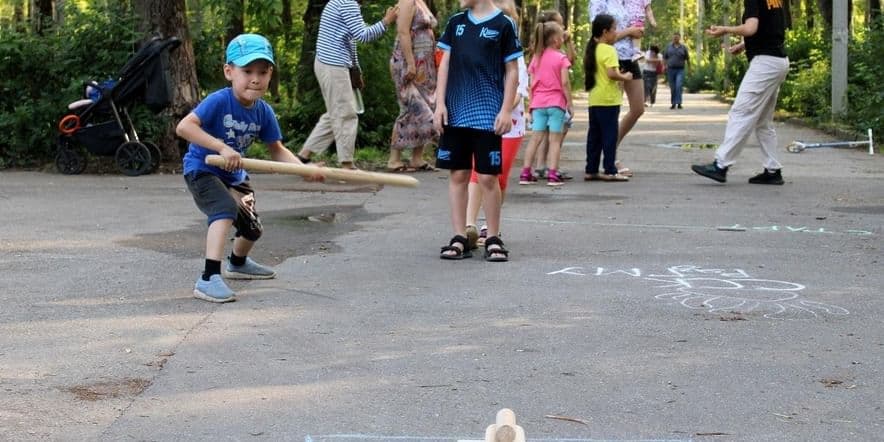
[(731, 290)]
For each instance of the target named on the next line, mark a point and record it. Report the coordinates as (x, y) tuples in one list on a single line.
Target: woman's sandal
[(625, 171), (459, 252), (494, 251), (426, 167), (402, 168)]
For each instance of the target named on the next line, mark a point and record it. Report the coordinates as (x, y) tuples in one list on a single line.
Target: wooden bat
[(330, 173)]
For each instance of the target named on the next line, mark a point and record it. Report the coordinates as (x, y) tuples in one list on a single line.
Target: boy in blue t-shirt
[(475, 87), (226, 123)]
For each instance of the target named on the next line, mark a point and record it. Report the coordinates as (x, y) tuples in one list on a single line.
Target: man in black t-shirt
[(763, 31)]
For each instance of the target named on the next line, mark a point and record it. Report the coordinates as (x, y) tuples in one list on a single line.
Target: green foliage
[(864, 92), (807, 91), (700, 78), (92, 44)]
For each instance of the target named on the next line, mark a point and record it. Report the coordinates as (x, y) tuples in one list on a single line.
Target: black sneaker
[(679, 106), (768, 177), (712, 171), (672, 107)]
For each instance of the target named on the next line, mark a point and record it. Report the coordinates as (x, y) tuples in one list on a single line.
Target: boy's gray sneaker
[(213, 290), (249, 270)]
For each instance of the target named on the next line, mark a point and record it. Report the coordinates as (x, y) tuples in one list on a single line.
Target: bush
[(865, 96), (92, 44), (807, 90), (700, 77)]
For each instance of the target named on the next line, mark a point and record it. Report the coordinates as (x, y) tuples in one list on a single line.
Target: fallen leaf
[(566, 418), (831, 382)]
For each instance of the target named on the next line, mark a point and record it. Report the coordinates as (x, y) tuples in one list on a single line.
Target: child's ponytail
[(537, 43), (543, 37), (601, 23)]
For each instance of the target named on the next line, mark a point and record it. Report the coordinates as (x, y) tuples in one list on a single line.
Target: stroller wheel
[(69, 161), (133, 158), (155, 156)]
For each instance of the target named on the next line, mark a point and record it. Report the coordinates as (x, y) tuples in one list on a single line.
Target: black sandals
[(494, 251), (459, 252)]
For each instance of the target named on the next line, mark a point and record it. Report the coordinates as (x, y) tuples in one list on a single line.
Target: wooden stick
[(330, 173)]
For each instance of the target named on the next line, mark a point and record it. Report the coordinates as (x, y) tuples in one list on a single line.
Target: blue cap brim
[(245, 60)]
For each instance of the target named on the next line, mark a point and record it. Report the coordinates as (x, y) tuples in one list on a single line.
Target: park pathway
[(666, 308)]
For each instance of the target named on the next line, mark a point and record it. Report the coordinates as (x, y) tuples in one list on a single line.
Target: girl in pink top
[(550, 96)]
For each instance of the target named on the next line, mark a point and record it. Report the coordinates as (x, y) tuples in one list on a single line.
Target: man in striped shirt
[(340, 27)]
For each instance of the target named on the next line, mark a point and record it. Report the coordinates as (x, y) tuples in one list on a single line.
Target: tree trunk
[(169, 18), (563, 10), (286, 20), (58, 15), (308, 88), (42, 15), (529, 19), (826, 12), (873, 13), (787, 11), (235, 21), (808, 14), (18, 15)]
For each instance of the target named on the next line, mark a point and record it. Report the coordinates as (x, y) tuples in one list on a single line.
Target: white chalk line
[(372, 437), (766, 229)]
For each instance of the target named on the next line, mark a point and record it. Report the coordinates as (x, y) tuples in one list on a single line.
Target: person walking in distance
[(651, 69), (340, 27), (677, 59), (763, 31)]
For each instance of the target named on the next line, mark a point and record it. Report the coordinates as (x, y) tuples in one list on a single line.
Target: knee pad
[(248, 225)]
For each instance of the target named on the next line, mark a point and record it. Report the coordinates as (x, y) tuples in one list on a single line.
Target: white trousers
[(753, 111), (340, 121)]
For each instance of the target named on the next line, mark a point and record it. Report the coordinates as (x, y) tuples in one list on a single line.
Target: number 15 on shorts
[(494, 158)]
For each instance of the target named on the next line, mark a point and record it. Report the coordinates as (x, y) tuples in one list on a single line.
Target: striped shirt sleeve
[(352, 18), (340, 28)]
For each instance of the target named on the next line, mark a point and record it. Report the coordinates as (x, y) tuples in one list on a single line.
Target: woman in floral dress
[(413, 68)]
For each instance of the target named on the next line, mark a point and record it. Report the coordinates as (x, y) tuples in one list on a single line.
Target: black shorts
[(460, 147), (218, 200), (631, 66)]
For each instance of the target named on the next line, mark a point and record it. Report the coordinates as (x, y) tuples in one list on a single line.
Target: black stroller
[(100, 121)]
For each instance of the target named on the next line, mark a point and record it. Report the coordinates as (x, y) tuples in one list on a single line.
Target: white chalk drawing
[(723, 291), (735, 227), (374, 438), (799, 229)]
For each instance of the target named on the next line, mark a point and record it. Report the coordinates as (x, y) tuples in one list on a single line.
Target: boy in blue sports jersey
[(475, 87), (226, 123)]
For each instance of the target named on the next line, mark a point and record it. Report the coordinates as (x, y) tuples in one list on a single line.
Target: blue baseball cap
[(246, 48)]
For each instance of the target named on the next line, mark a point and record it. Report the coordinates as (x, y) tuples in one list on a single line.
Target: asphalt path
[(670, 307)]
